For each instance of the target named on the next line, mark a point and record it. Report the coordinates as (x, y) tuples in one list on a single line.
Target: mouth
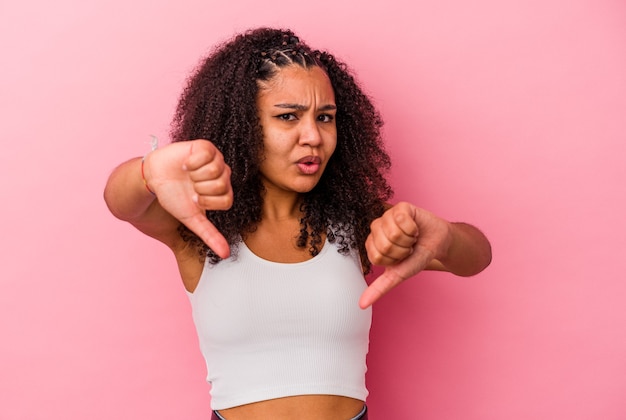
[(309, 165)]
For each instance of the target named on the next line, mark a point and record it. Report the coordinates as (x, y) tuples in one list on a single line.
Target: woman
[(272, 198)]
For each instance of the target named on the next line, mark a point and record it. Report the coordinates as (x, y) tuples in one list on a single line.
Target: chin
[(305, 188)]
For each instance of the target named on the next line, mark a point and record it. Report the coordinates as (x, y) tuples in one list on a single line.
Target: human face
[(297, 112)]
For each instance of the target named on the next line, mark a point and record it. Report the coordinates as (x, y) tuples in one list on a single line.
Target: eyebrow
[(300, 107)]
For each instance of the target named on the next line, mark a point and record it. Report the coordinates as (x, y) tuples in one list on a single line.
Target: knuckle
[(218, 186), (204, 154), (223, 202), (385, 247), (228, 202), (372, 253), (216, 201), (395, 235), (214, 170), (399, 217), (376, 259)]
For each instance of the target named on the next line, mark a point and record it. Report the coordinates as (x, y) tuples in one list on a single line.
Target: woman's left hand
[(405, 240)]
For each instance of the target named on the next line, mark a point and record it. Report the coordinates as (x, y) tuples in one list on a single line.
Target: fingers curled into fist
[(210, 176), (393, 236)]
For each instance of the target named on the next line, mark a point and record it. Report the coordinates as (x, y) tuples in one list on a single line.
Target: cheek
[(274, 148), (271, 142), (331, 145), (274, 153)]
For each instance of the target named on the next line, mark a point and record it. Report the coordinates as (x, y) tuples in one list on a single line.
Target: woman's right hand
[(189, 178)]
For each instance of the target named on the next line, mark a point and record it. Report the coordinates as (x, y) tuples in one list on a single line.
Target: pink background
[(510, 115)]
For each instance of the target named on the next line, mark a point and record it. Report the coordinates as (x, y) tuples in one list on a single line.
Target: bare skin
[(297, 110), (304, 407)]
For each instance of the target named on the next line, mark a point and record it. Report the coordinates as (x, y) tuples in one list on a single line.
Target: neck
[(281, 205)]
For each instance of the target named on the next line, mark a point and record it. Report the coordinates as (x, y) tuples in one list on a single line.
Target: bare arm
[(128, 199), (407, 240), (187, 178), (469, 252)]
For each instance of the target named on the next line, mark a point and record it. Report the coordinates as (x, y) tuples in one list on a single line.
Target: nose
[(310, 133)]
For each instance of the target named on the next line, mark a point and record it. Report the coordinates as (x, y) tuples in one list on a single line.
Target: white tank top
[(269, 330)]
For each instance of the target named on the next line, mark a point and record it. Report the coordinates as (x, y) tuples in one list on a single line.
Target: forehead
[(296, 83)]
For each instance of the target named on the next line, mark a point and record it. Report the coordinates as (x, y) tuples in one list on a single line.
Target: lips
[(309, 165)]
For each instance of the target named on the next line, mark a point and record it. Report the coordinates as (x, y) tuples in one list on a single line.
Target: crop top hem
[(289, 391)]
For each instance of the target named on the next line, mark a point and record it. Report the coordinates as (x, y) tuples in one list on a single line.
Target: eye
[(326, 118), (286, 117)]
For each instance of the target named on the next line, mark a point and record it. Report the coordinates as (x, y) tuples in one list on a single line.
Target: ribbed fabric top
[(269, 330)]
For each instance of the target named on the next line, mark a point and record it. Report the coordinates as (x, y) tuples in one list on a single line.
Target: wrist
[(154, 144), (144, 171)]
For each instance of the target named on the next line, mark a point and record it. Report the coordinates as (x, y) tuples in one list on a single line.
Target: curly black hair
[(219, 103)]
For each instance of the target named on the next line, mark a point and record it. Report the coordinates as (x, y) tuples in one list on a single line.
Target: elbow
[(486, 254), (111, 199), (110, 203), (482, 260), (472, 254)]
